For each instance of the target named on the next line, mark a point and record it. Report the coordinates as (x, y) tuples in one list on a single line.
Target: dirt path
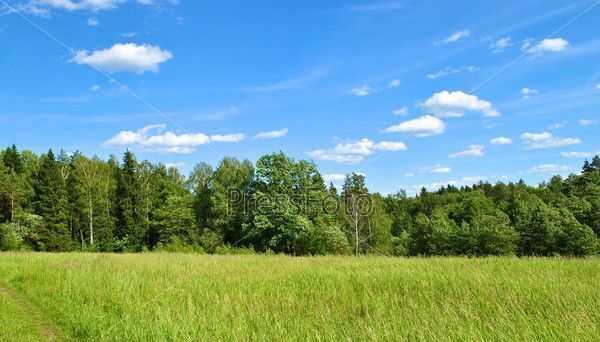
[(33, 318)]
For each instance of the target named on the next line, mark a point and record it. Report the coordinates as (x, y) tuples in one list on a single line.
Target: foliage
[(281, 205)]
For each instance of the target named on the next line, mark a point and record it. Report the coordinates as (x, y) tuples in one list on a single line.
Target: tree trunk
[(91, 213)]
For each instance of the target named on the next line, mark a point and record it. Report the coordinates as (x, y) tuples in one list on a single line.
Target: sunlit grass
[(202, 297)]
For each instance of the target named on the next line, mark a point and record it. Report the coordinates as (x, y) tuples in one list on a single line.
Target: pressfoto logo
[(307, 203)]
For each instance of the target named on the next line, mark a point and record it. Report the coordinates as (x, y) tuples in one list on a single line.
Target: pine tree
[(50, 202), (595, 165), (586, 167), (12, 159), (128, 220)]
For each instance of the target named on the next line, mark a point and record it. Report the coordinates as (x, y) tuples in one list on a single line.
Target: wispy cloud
[(291, 84), (271, 134), (501, 44), (456, 36), (549, 168), (588, 122), (436, 169), (501, 141), (451, 70), (364, 90), (472, 151), (402, 111)]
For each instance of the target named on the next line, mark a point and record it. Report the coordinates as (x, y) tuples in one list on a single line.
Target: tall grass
[(165, 297)]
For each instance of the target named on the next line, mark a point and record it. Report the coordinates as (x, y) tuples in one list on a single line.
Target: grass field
[(168, 297)]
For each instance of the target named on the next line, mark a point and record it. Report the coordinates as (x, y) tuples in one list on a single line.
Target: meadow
[(190, 297)]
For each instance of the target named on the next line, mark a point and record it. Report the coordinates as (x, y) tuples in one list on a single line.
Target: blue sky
[(409, 93)]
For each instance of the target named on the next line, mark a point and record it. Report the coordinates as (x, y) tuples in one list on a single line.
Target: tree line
[(70, 202)]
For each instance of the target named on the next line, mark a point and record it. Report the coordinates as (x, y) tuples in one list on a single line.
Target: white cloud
[(546, 140), (556, 125), (527, 92), (588, 122), (236, 137), (332, 177), (549, 168), (390, 146), (421, 127), (151, 138), (394, 83), (546, 45), (436, 169), (410, 174), (92, 22), (129, 34), (598, 86), (577, 154), (456, 103), (364, 90), (354, 151), (95, 87), (472, 151), (271, 134), (451, 70), (125, 57), (456, 36), (400, 111), (501, 44), (501, 141), (44, 7)]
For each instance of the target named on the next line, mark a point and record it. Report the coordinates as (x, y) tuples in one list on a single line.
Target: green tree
[(51, 203)]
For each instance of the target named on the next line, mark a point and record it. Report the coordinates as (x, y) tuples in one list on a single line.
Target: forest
[(70, 202)]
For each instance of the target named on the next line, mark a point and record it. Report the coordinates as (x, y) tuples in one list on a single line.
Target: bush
[(9, 239)]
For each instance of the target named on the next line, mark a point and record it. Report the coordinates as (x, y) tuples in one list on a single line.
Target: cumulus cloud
[(271, 134), (125, 57), (354, 151), (421, 127), (472, 151), (394, 83), (501, 141), (456, 36), (154, 138), (457, 103), (546, 140), (451, 70), (364, 90), (546, 45), (588, 122), (400, 111), (549, 168), (501, 44)]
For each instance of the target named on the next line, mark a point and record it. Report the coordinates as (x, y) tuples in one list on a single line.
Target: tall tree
[(50, 203)]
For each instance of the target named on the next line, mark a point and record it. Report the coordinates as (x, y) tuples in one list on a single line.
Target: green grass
[(167, 297)]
